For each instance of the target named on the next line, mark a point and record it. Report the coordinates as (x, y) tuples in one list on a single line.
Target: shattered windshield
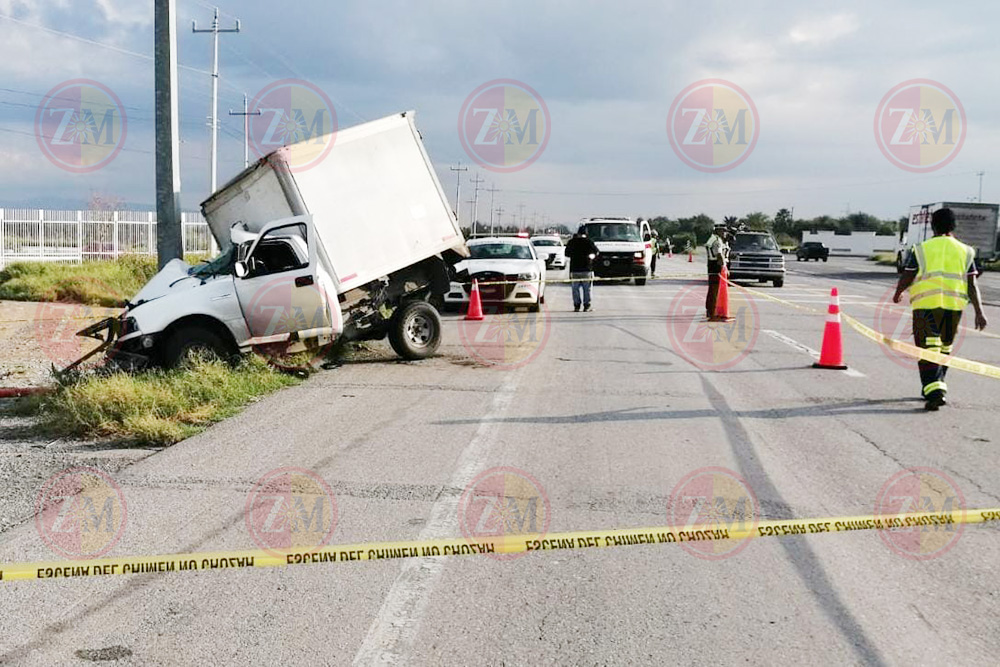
[(220, 265)]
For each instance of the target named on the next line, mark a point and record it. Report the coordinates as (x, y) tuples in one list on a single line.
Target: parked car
[(755, 255), (812, 250), (353, 248), (550, 248), (513, 272)]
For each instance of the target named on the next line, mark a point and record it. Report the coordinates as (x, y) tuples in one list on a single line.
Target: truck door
[(277, 284)]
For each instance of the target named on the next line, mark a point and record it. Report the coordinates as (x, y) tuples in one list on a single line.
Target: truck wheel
[(640, 281), (415, 330), (778, 282), (187, 342), (824, 259)]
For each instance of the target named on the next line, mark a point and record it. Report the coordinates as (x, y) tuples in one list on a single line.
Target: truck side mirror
[(241, 269)]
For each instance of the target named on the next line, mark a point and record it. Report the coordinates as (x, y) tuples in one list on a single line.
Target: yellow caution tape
[(977, 367), (508, 544)]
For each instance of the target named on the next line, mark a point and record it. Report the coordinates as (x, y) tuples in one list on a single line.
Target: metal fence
[(44, 235)]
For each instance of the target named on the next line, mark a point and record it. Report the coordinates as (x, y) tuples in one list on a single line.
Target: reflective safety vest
[(715, 248), (943, 265)]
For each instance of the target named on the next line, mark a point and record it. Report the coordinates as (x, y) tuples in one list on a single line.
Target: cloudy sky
[(608, 74)]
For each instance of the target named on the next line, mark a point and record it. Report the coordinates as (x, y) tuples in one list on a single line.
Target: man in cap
[(717, 251)]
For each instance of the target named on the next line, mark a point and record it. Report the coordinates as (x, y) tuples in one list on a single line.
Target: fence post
[(114, 231), (3, 241), (79, 234), (41, 233), (150, 232)]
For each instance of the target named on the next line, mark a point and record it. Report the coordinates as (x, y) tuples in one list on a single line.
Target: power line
[(105, 45)]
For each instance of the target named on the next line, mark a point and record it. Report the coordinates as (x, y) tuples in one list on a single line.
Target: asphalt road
[(606, 413)]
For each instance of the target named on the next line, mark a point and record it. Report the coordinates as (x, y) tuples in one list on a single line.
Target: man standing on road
[(581, 252), (941, 275), (717, 251)]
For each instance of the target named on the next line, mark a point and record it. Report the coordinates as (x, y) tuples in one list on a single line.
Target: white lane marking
[(808, 350), (394, 630)]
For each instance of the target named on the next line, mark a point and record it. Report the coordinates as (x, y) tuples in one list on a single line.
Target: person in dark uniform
[(581, 252)]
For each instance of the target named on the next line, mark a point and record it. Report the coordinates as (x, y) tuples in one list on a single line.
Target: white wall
[(855, 243)]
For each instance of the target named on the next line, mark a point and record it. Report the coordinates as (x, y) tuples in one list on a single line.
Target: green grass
[(154, 407), (103, 283), (884, 258)]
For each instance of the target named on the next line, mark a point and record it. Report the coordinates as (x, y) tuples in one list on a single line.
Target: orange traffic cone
[(832, 353), (475, 311), (722, 301)]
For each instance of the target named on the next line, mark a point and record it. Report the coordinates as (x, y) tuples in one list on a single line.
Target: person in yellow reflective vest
[(941, 276)]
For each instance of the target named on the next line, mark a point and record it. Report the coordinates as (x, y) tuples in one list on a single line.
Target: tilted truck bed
[(376, 202)]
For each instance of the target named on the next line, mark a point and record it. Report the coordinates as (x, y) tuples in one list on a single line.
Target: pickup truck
[(756, 255), (353, 248), (812, 250)]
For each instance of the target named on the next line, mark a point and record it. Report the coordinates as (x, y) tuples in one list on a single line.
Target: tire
[(824, 259), (541, 299), (798, 259), (778, 282), (535, 307), (186, 341), (640, 281), (415, 330)]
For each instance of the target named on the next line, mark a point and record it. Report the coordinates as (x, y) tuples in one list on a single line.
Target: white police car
[(551, 249), (512, 269)]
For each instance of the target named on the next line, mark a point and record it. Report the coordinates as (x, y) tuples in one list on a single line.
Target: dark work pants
[(712, 296), (934, 329)]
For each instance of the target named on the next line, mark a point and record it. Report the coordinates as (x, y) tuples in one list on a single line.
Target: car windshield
[(603, 231), (500, 251), (754, 242), (217, 266), (539, 242)]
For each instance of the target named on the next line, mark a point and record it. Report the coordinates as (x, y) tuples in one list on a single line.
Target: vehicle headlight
[(530, 275)]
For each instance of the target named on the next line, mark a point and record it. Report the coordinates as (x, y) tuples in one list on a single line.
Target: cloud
[(824, 30)]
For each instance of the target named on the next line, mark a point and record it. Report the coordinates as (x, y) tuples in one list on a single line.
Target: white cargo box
[(376, 202)]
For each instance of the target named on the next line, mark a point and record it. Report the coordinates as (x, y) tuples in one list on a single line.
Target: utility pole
[(493, 190), (520, 215), (246, 129), (980, 174), (169, 243), (475, 202), (458, 191), (499, 218), (214, 30)]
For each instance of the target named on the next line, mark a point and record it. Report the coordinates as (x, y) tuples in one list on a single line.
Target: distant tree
[(783, 223), (757, 221)]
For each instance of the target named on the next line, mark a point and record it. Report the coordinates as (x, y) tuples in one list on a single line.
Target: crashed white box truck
[(354, 247), (975, 225)]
